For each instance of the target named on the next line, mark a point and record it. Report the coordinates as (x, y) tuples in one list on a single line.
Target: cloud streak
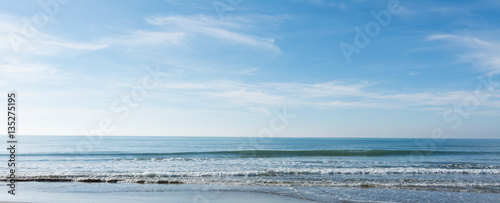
[(334, 94), (210, 27), (483, 53)]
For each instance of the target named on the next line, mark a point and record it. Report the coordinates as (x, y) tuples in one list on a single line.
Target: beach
[(102, 192), (250, 101), (117, 193), (193, 169)]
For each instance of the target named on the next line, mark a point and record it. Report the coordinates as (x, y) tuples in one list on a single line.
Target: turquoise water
[(313, 167)]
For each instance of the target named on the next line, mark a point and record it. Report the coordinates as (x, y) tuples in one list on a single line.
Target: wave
[(405, 183), (279, 153), (279, 171)]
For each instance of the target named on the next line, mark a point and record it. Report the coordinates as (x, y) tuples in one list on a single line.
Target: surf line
[(11, 141)]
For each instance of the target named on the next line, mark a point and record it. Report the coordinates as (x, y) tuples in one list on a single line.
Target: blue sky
[(227, 67)]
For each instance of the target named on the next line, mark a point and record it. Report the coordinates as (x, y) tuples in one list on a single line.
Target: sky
[(297, 68)]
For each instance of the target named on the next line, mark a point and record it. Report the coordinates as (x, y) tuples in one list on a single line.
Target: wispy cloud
[(337, 5), (248, 97), (39, 43), (248, 71), (469, 41), (148, 38), (13, 69), (261, 110), (327, 89), (76, 45), (482, 52), (334, 94), (211, 27)]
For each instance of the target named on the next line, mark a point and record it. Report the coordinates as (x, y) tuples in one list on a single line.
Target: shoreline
[(359, 185), (131, 192)]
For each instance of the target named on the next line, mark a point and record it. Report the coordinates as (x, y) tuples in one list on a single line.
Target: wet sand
[(110, 193)]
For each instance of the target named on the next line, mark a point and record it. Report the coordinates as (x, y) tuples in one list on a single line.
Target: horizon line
[(257, 137)]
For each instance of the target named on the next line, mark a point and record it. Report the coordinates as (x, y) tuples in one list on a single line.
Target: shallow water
[(318, 168)]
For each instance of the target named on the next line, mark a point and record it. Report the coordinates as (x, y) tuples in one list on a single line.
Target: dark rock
[(90, 180)]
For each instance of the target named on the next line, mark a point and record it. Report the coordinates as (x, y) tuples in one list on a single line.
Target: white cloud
[(146, 38), (428, 99), (207, 26), (247, 97), (334, 94), (331, 4), (483, 53), (76, 45), (261, 110), (13, 69), (13, 40), (470, 41), (173, 2), (248, 71), (357, 104), (327, 89)]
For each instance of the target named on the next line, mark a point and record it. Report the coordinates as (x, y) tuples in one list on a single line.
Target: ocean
[(309, 169)]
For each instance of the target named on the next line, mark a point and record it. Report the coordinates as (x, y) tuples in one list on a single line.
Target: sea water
[(320, 169)]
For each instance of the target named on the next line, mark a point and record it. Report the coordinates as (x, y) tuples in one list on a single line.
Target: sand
[(119, 193)]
